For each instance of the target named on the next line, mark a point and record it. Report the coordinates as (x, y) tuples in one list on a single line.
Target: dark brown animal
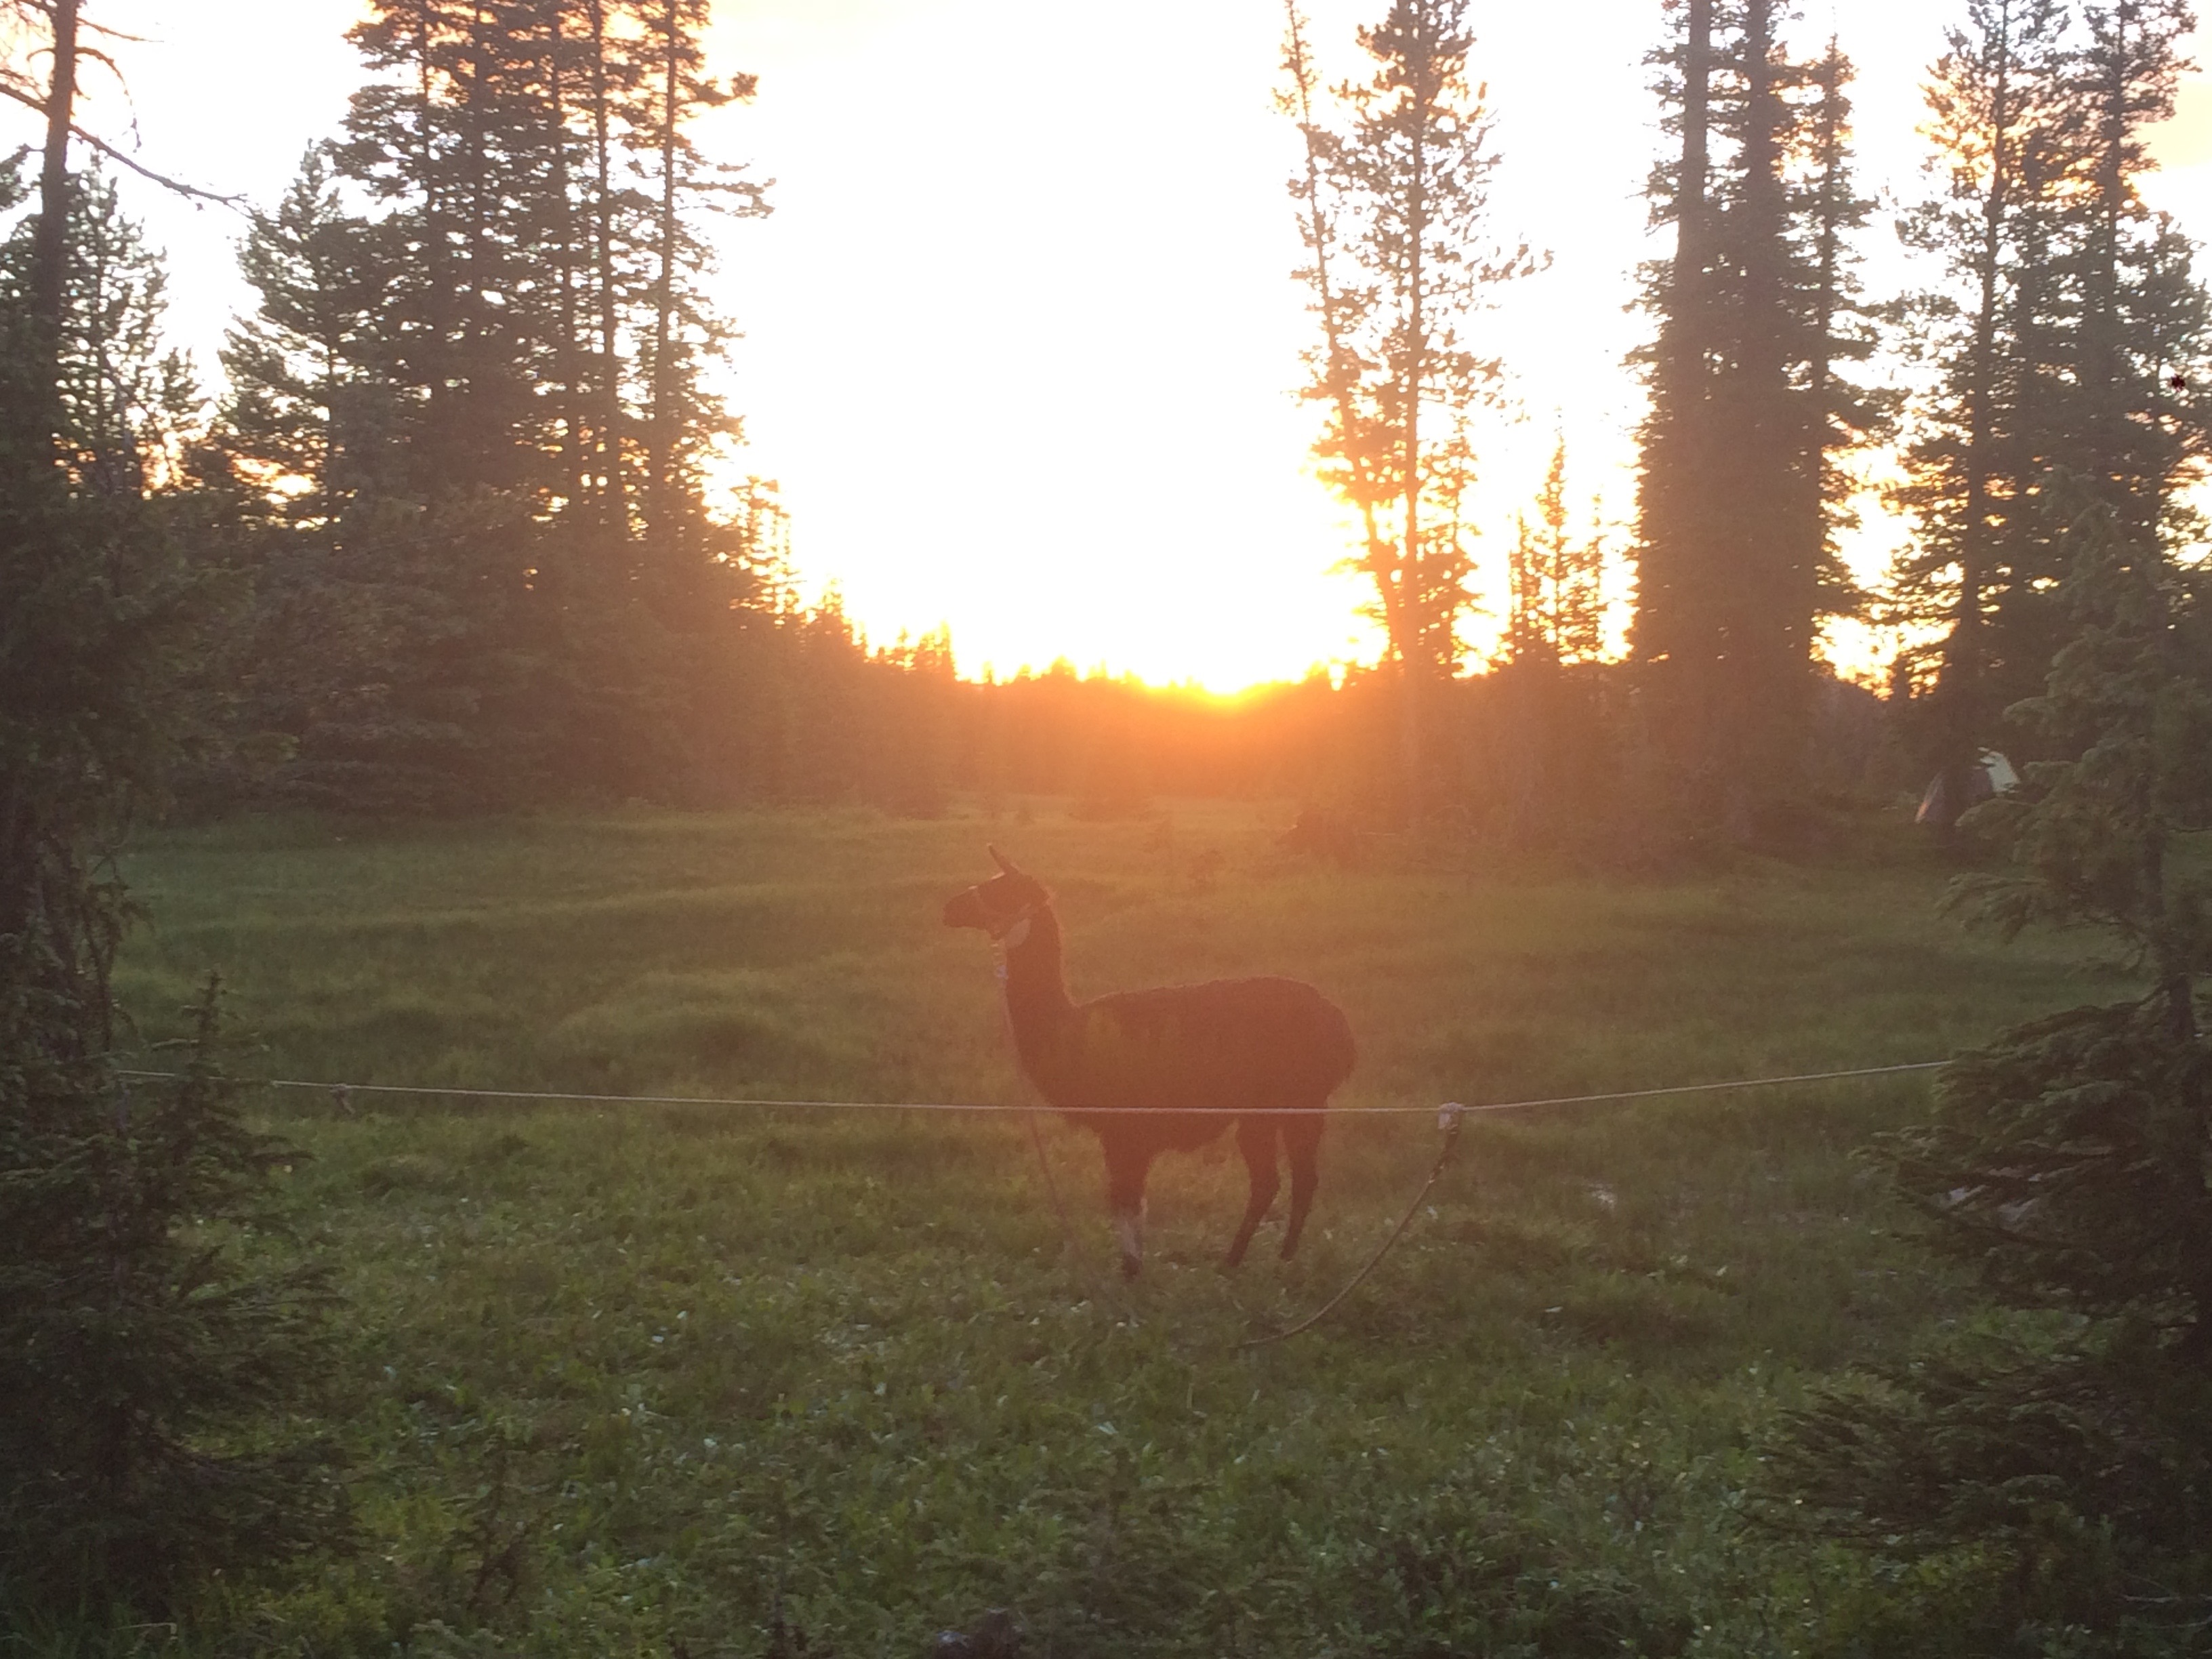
[(1166, 1070)]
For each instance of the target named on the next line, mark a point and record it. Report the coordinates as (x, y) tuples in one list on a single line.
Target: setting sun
[(1022, 341)]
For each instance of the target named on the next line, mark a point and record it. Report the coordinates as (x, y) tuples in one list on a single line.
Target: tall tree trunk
[(476, 423), (662, 427), (1693, 228), (50, 237), (1768, 639), (1674, 617), (2102, 373), (1418, 650), (614, 499), (1341, 372), (436, 372), (574, 436), (1819, 373), (1963, 651), (23, 849)]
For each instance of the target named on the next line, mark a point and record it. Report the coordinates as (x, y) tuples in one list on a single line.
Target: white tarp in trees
[(1992, 775)]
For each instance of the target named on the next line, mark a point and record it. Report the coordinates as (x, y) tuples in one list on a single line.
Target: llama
[(1264, 1054)]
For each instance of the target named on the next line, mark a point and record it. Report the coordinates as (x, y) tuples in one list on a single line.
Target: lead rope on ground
[(1450, 1117)]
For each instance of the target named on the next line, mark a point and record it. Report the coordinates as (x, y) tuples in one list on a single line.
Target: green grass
[(651, 1379)]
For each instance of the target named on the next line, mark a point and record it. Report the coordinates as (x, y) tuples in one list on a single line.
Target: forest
[(469, 500), (425, 698)]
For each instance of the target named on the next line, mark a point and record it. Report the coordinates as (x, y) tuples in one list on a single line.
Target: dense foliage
[(1394, 210), (1758, 321), (2068, 335), (151, 1368), (141, 1354), (471, 426), (2052, 1474)]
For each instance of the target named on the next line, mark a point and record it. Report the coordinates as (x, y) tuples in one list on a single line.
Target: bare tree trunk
[(23, 853), (614, 509), (50, 238), (662, 426), (1416, 649), (574, 436)]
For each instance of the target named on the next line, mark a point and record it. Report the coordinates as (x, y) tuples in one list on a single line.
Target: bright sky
[(1022, 338)]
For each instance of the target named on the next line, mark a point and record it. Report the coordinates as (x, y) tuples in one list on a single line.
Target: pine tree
[(1758, 316), (2067, 309), (2053, 1476), (1394, 209), (136, 1355), (485, 323), (148, 1371), (1991, 100), (1847, 413), (1555, 583), (1550, 748), (309, 413)]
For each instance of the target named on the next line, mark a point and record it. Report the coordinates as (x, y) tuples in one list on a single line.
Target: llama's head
[(1002, 906)]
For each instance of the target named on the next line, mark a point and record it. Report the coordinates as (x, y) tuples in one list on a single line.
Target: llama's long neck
[(1038, 1007)]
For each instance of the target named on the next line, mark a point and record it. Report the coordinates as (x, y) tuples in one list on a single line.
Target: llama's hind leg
[(1126, 1166), (1302, 1140), (1256, 1139)]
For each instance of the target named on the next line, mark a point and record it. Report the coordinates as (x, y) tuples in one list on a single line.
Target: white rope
[(342, 1090)]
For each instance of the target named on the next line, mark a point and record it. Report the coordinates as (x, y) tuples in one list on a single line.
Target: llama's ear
[(1003, 862)]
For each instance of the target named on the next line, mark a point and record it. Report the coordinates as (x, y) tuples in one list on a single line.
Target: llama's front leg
[(1126, 1167), (1256, 1139), (1302, 1140)]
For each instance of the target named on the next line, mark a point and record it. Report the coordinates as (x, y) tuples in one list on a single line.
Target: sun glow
[(1023, 340)]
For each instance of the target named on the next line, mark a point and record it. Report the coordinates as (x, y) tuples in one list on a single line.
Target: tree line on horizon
[(485, 541)]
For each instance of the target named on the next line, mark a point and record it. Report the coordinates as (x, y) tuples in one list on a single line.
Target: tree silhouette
[(1758, 317), (2064, 333), (2047, 1477), (145, 1368), (1556, 584), (1394, 207)]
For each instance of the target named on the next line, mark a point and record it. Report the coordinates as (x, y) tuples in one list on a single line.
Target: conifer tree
[(138, 1358), (2067, 311), (1992, 99), (1394, 207), (308, 410), (1759, 317), (2052, 1476), (1555, 583), (487, 316)]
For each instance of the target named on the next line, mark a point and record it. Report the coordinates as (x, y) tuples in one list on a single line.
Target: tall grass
[(707, 1380)]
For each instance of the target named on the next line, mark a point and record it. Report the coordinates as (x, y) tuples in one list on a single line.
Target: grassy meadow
[(693, 1380)]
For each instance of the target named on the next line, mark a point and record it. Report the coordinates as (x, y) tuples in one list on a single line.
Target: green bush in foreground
[(146, 1361), (2045, 1485)]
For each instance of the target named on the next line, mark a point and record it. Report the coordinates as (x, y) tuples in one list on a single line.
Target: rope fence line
[(1449, 1120), (342, 1090)]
